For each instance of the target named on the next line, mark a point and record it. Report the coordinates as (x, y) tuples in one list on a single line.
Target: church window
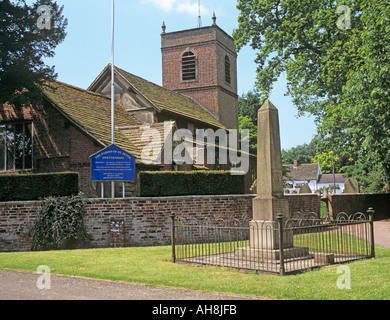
[(16, 146)]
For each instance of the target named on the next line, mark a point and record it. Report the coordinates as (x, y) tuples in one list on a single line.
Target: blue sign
[(113, 164)]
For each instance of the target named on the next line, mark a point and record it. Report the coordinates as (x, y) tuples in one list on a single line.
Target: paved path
[(23, 286), (382, 233)]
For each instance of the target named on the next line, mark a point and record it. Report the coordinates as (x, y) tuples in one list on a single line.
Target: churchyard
[(213, 251)]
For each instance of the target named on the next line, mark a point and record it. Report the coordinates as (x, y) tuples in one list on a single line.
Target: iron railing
[(283, 246)]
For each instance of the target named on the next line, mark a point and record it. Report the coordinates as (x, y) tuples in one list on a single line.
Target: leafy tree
[(249, 104), (336, 71), (24, 44), (326, 160), (247, 123), (303, 153)]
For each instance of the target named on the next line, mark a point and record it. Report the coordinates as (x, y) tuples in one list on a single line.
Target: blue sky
[(87, 47)]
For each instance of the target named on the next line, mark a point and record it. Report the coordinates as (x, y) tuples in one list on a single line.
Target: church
[(199, 91)]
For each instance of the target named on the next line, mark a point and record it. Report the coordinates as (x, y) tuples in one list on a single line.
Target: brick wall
[(58, 145), (304, 203), (128, 222), (360, 202), (16, 219)]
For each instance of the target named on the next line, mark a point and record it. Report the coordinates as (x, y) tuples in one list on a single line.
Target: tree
[(302, 153), (24, 43), (336, 58), (246, 123), (249, 104), (327, 160)]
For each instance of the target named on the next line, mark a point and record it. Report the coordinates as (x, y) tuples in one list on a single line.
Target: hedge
[(183, 183), (20, 187)]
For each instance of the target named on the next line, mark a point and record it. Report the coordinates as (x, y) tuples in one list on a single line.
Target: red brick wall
[(304, 203), (16, 219), (146, 221), (360, 202)]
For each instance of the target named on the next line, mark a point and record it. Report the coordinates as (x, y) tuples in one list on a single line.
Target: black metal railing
[(283, 246)]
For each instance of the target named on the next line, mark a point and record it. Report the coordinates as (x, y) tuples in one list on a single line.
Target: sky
[(87, 48)]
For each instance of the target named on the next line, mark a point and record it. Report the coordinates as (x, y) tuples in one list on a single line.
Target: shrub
[(170, 183), (59, 224), (19, 187)]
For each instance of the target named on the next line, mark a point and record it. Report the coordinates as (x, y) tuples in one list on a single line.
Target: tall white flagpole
[(112, 88), (112, 74)]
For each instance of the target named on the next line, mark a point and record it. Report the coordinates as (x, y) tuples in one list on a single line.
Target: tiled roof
[(303, 172), (151, 136), (92, 113), (328, 178), (170, 101)]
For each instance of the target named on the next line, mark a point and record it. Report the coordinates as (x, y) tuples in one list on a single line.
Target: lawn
[(370, 279)]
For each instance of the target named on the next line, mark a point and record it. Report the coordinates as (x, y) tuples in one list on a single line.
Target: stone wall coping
[(155, 198), (141, 198), (20, 202), (174, 197)]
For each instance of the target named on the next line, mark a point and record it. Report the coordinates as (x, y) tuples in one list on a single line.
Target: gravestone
[(305, 189), (351, 186)]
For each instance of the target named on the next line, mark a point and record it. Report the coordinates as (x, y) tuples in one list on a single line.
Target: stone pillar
[(270, 198), (264, 241)]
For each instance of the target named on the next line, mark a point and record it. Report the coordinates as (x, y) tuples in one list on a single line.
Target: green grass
[(333, 242), (370, 279)]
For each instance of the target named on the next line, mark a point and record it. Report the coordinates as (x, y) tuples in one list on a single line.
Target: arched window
[(228, 77), (188, 66)]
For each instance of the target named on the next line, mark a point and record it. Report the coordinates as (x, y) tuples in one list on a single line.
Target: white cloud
[(192, 8), (166, 5), (182, 6)]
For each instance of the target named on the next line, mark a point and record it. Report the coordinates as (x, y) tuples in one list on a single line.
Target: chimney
[(295, 163)]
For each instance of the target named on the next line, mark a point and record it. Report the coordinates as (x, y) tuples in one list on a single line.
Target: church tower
[(202, 63)]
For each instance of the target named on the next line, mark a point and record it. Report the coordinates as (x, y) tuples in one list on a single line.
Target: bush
[(19, 187), (170, 183), (59, 224)]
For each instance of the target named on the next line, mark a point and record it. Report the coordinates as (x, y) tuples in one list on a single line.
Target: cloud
[(192, 8), (166, 5), (181, 6)]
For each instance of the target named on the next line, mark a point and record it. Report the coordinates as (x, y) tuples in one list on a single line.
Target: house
[(69, 124), (311, 174), (331, 181), (301, 174)]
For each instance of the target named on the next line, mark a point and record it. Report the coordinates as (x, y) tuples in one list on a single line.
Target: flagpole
[(112, 87), (112, 74)]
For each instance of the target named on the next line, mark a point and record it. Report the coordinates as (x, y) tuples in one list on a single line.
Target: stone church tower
[(202, 63)]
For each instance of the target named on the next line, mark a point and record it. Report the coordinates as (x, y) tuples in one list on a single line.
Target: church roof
[(91, 112), (166, 100)]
